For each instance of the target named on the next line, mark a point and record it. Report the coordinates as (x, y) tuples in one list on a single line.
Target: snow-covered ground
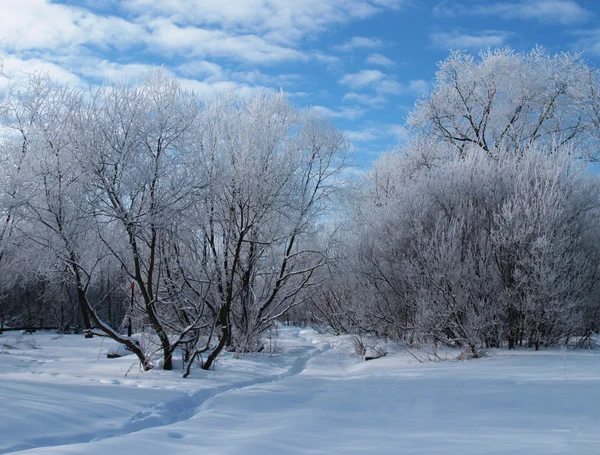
[(60, 395)]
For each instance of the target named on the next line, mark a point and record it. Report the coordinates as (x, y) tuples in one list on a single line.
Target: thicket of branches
[(484, 229), (478, 252), (158, 220)]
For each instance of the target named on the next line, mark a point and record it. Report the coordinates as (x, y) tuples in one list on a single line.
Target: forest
[(184, 226)]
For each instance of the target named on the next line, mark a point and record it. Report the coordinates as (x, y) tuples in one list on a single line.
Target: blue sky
[(361, 62)]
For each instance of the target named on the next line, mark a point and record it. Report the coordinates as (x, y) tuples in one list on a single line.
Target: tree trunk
[(225, 335), (82, 301)]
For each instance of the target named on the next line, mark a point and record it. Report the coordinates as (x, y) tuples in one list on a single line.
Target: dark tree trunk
[(225, 335), (82, 301)]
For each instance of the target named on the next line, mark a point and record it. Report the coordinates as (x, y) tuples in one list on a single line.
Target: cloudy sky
[(361, 62)]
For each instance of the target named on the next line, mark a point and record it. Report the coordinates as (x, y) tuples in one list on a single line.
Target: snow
[(61, 395)]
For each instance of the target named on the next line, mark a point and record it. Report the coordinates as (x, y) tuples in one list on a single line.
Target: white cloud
[(247, 31), (209, 45), (167, 38), (256, 77), (96, 69), (202, 68), (418, 86), (276, 20), (589, 40), (348, 113), (367, 100), (373, 133), (99, 71), (38, 24), (363, 78), (380, 82), (480, 40), (300, 95), (381, 60), (212, 73), (331, 62), (560, 11), (113, 72), (17, 68), (362, 135), (359, 42)]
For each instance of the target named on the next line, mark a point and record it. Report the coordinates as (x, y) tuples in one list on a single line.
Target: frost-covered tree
[(483, 229), (209, 209), (135, 145), (504, 100), (272, 171)]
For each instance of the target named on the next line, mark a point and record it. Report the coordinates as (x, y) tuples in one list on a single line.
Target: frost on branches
[(198, 223), (484, 229), (202, 210)]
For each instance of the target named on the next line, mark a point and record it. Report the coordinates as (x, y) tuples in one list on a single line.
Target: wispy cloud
[(479, 40), (348, 113), (257, 77), (589, 40), (418, 87), (362, 135), (257, 32), (380, 82), (200, 68), (363, 78), (90, 70), (559, 11), (379, 59), (274, 20), (165, 37), (367, 100), (359, 42), (373, 133)]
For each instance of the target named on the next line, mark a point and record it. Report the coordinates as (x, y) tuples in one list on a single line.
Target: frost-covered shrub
[(479, 251)]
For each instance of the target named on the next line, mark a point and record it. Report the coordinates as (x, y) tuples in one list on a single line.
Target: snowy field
[(61, 395)]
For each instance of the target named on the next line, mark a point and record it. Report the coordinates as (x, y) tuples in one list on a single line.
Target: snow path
[(316, 399), (186, 407), (159, 414)]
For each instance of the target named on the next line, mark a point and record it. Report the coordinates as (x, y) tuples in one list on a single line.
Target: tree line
[(198, 223)]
